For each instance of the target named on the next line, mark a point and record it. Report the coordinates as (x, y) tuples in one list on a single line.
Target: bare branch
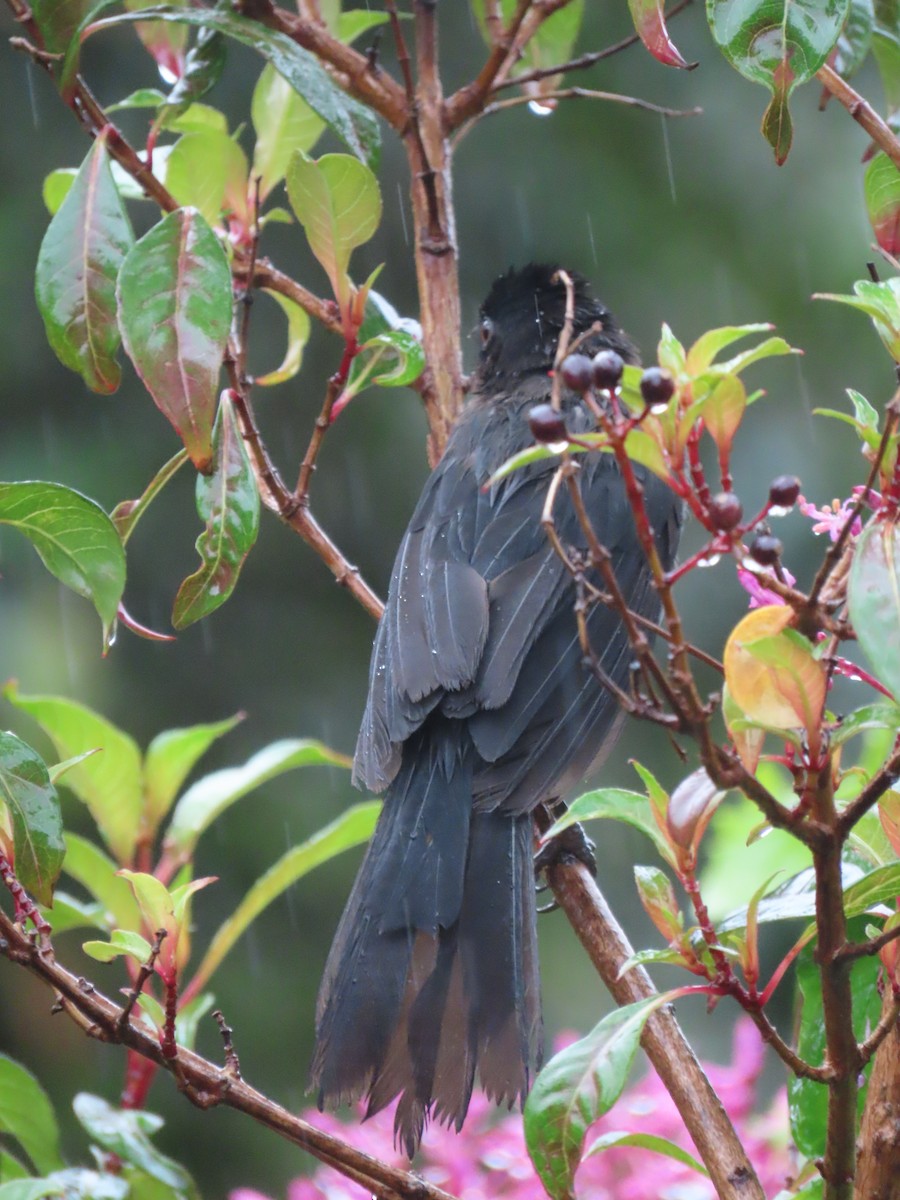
[(861, 112)]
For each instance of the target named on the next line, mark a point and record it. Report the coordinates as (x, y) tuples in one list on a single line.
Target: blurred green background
[(687, 221)]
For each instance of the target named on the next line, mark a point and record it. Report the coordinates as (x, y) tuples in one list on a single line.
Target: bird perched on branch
[(480, 709)]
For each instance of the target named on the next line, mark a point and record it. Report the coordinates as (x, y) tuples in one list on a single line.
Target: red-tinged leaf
[(75, 281), (873, 597), (750, 943), (650, 22), (175, 312), (165, 42), (33, 806), (771, 672), (58, 20), (139, 630), (882, 191), (577, 1087), (748, 738), (889, 814), (228, 503), (658, 898), (691, 806)]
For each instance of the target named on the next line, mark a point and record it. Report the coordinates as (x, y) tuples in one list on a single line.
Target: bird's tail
[(433, 973)]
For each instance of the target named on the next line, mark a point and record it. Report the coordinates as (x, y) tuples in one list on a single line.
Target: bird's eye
[(486, 329)]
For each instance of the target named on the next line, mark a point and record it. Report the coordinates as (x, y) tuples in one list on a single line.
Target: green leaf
[(577, 1087), (127, 513), (616, 804), (96, 871), (127, 1134), (58, 21), (392, 359), (298, 335), (353, 24), (165, 43), (650, 23), (71, 913), (122, 941), (338, 202), (228, 503), (354, 124), (57, 186), (203, 67), (108, 783), (30, 1189), (154, 900), (773, 347), (75, 281), (778, 44), (709, 345), (81, 1183), (209, 797), (170, 758), (645, 1141), (658, 898), (199, 168), (882, 193), (11, 1168), (855, 42), (175, 313), (350, 829), (807, 1099), (284, 123), (26, 1114), (75, 540), (33, 806), (886, 51), (881, 302), (670, 352), (873, 596), (881, 715)]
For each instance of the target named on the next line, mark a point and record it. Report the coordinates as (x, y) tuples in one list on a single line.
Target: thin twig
[(870, 795), (206, 1084), (144, 973), (579, 93), (886, 1023), (861, 112), (872, 947)]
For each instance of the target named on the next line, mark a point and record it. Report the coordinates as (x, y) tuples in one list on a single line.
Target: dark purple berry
[(547, 424), (608, 367), (784, 491), (657, 386), (766, 549), (577, 372), (725, 511)]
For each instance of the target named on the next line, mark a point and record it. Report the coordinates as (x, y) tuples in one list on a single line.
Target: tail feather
[(433, 971)]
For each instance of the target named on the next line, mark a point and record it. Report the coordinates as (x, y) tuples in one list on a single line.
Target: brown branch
[(270, 278), (861, 112), (877, 1177), (471, 99), (280, 500), (855, 950), (870, 795), (204, 1083), (796, 1065), (353, 70), (887, 1022), (701, 1109)]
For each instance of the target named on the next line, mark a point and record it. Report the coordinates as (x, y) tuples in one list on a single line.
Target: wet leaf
[(778, 44), (338, 203), (33, 806), (748, 738), (210, 796), (577, 1087), (886, 52), (175, 313), (108, 783), (75, 280), (284, 123), (354, 124), (298, 328), (228, 503), (882, 192), (202, 70), (873, 597), (164, 42), (75, 540), (650, 23), (127, 1133), (690, 808), (26, 1114), (855, 41), (350, 829), (30, 1189)]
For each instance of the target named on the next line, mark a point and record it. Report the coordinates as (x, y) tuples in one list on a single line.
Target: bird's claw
[(571, 845)]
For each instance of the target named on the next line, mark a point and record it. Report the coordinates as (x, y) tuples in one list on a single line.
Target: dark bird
[(479, 710)]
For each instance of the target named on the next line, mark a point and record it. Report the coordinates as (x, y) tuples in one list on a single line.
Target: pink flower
[(761, 596), (831, 520), (487, 1160)]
